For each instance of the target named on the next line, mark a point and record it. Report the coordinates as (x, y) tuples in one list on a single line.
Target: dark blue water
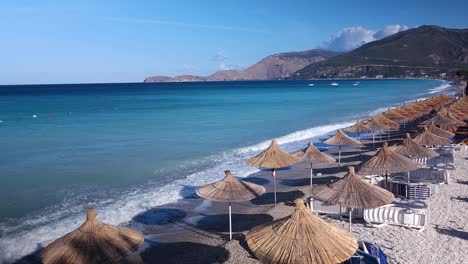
[(124, 148)]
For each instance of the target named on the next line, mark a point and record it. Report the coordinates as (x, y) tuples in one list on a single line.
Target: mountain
[(273, 67), (426, 50)]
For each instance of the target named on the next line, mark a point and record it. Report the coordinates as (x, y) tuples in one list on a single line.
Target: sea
[(125, 148)]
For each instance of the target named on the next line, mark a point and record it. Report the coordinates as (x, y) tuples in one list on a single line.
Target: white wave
[(440, 88), (50, 226)]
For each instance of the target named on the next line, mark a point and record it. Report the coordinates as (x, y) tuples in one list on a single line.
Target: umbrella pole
[(360, 146), (274, 183), (311, 174), (350, 219), (230, 222), (386, 181), (339, 156)]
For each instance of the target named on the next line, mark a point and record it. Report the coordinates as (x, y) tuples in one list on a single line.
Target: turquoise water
[(124, 148)]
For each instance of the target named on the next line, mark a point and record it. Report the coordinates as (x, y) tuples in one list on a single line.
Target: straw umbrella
[(358, 128), (440, 132), (352, 191), (315, 157), (341, 139), (301, 238), (374, 124), (92, 243), (387, 122), (230, 189), (428, 139), (273, 158), (385, 162), (411, 149)]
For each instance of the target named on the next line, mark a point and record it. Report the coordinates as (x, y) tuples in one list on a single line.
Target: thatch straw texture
[(312, 154), (352, 191), (374, 124), (412, 149), (340, 138), (273, 157), (386, 162), (230, 189), (428, 139), (92, 243), (301, 238), (388, 122), (440, 120), (359, 127), (440, 132)]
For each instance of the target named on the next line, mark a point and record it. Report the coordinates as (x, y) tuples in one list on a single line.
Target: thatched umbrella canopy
[(385, 162), (352, 191), (440, 120), (301, 238), (315, 157), (440, 132), (392, 115), (390, 123), (341, 139), (230, 189), (412, 149), (428, 139), (92, 243), (358, 127), (274, 158), (375, 124)]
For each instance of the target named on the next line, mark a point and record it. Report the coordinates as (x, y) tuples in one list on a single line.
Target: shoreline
[(187, 203)]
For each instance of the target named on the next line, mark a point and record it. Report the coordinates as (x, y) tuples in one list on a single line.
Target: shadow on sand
[(459, 198), (160, 216), (184, 252), (452, 232), (306, 181), (268, 198), (257, 180), (240, 222)]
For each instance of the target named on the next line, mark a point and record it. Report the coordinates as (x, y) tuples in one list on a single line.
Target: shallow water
[(124, 148)]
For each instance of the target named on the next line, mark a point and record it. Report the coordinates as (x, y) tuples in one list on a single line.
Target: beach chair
[(320, 207), (421, 160), (399, 186), (396, 215)]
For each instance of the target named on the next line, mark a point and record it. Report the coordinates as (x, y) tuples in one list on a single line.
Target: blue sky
[(125, 41)]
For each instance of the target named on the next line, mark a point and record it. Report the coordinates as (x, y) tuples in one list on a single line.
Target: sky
[(125, 41)]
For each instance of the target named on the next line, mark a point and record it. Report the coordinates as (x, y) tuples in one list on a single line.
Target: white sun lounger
[(396, 215), (320, 207)]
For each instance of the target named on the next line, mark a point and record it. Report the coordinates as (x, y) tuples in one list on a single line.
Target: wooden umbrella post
[(274, 183), (339, 156), (230, 222), (311, 174), (350, 219)]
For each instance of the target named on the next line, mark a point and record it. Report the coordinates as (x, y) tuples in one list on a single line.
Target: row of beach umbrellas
[(303, 236)]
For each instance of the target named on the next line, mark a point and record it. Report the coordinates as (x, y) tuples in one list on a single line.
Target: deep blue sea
[(124, 148)]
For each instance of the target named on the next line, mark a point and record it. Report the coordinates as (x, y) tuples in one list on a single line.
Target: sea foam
[(42, 228)]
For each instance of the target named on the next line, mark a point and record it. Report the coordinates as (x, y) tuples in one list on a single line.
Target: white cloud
[(220, 56), (389, 30), (354, 37), (224, 66)]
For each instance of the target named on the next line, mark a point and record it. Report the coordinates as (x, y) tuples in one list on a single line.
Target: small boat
[(311, 84), (334, 84), (355, 84)]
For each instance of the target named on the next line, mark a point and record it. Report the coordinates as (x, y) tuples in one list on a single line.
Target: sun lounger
[(320, 207), (429, 176), (396, 215), (399, 186)]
